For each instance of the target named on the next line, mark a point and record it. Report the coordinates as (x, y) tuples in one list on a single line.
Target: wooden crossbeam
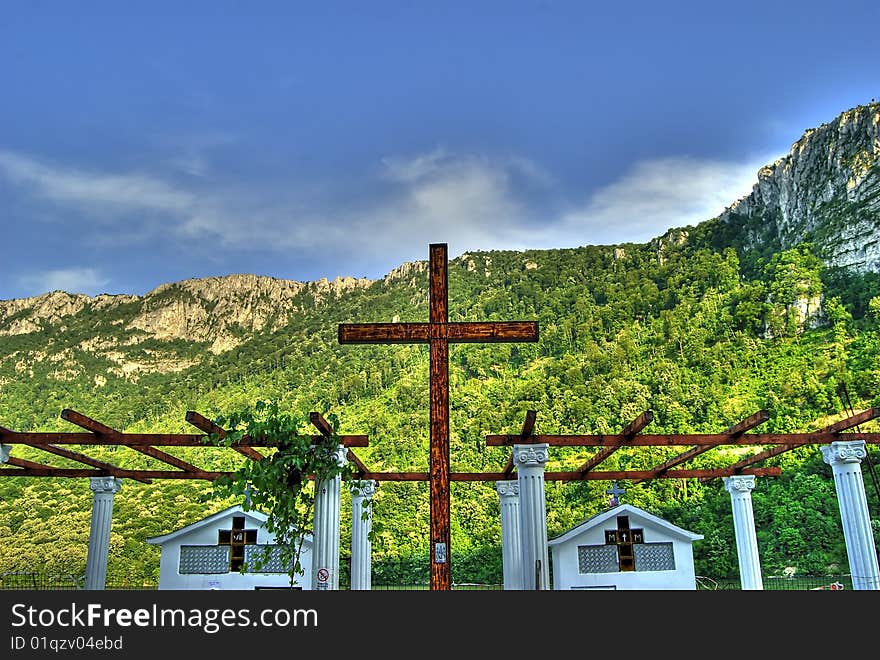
[(618, 475), (664, 440), (146, 439), (326, 430), (632, 429), (524, 437), (102, 430), (361, 468), (832, 432), (30, 465), (140, 475), (13, 437), (206, 425), (321, 424), (733, 433), (145, 476)]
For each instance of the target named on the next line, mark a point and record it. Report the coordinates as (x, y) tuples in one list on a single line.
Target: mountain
[(825, 191), (703, 326)]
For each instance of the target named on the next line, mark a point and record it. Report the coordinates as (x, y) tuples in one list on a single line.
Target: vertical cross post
[(439, 465)]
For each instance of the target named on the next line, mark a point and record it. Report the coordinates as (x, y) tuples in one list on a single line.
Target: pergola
[(95, 434)]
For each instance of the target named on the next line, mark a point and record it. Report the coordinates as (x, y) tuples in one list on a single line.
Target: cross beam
[(632, 429), (209, 427), (438, 333), (702, 439), (619, 475), (102, 430), (733, 432), (832, 431), (524, 436), (107, 469), (326, 431), (99, 434)]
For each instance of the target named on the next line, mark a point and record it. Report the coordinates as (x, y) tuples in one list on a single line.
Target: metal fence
[(396, 576), (782, 583), (40, 581), (36, 581)]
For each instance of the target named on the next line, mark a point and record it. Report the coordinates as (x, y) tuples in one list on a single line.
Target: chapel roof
[(256, 516), (620, 509)]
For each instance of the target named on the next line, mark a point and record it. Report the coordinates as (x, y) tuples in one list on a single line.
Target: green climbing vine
[(282, 484)]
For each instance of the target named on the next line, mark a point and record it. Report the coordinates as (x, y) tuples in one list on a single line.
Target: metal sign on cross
[(438, 332)]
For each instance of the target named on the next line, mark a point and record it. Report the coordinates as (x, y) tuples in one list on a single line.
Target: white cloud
[(71, 280), (136, 192), (469, 201), (656, 195)]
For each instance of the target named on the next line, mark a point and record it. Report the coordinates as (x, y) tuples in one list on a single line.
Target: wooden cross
[(614, 491), (438, 332), (236, 538), (624, 538)]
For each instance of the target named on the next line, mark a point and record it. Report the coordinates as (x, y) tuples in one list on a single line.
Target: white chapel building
[(624, 547), (210, 553)]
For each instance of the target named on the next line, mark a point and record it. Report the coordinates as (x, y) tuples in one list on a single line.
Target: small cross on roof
[(614, 491)]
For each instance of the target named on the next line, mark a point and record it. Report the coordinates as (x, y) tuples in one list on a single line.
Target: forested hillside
[(699, 328)]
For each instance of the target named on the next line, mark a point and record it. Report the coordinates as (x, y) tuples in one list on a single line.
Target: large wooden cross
[(438, 332)]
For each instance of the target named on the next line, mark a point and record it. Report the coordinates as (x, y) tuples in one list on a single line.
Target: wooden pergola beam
[(145, 476), (99, 429), (618, 475), (632, 429), (524, 437), (361, 468), (705, 439), (30, 465), (321, 424), (733, 433), (204, 424), (318, 421), (832, 432), (13, 437)]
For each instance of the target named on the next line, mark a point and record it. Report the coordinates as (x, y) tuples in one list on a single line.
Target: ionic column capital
[(102, 485), (739, 483), (842, 452), (530, 455), (507, 489), (363, 487)]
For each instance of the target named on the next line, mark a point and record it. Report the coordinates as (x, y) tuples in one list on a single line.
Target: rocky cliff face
[(826, 190), (218, 310)]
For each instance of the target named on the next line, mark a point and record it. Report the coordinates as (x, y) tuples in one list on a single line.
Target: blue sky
[(148, 142)]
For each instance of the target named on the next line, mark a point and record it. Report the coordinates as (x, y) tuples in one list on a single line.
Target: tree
[(279, 484)]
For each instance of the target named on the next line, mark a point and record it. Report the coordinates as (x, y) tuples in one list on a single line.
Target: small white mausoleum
[(210, 554), (624, 547)]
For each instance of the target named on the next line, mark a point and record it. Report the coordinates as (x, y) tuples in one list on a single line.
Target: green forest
[(696, 329)]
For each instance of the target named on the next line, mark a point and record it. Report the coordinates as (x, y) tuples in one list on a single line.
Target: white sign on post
[(323, 579)]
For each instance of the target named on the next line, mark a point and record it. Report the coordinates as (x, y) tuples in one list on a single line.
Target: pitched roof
[(257, 517), (613, 512)]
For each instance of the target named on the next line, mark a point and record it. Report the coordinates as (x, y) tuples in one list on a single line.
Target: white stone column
[(104, 489), (740, 488), (511, 541), (325, 561), (361, 523), (845, 458), (4, 453), (529, 461)]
